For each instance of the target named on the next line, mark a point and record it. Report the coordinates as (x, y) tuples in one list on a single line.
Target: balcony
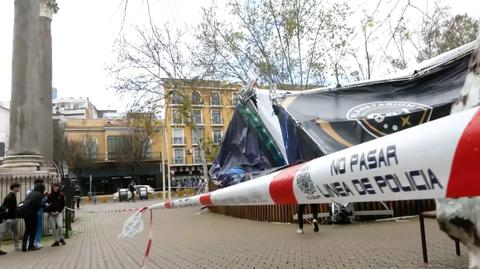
[(123, 157)]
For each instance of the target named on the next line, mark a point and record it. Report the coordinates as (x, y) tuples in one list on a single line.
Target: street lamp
[(201, 146), (168, 164), (162, 165)]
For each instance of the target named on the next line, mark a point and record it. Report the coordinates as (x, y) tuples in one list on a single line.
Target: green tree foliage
[(76, 157), (442, 33), (137, 143), (75, 154), (308, 43), (283, 42), (211, 149)]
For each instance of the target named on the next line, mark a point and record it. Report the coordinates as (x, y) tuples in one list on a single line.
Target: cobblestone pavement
[(183, 239)]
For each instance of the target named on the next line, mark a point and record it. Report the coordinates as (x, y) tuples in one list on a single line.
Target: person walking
[(77, 195), (54, 206), (10, 223), (131, 188), (301, 210), (40, 216), (28, 210)]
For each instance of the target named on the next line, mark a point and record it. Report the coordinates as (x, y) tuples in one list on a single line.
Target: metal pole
[(204, 164), (419, 208), (91, 194), (168, 163), (68, 213), (163, 174), (423, 238)]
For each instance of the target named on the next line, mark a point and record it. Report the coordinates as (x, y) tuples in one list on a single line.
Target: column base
[(23, 163)]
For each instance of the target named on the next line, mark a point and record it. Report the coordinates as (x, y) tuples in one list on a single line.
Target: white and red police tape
[(434, 160), (107, 210)]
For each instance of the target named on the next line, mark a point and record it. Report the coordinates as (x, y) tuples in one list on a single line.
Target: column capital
[(48, 8)]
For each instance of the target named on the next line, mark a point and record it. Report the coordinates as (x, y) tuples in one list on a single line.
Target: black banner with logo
[(336, 119)]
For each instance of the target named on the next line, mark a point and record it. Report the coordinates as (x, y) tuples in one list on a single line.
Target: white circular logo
[(386, 117)]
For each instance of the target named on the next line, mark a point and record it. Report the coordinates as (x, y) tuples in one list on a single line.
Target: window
[(178, 136), (215, 99), (179, 156), (217, 136), (118, 147), (146, 151), (176, 98), (197, 134), (91, 147), (196, 99), (216, 117), (197, 156), (177, 117), (235, 99), (197, 116)]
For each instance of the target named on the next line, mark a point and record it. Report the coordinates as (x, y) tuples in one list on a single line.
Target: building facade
[(73, 108), (115, 152), (196, 112)]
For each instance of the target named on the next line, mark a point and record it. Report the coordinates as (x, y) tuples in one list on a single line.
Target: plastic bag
[(132, 226)]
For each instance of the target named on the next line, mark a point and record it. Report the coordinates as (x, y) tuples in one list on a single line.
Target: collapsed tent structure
[(272, 129), (252, 144), (437, 160)]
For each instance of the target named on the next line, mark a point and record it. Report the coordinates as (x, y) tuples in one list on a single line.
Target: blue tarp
[(243, 152)]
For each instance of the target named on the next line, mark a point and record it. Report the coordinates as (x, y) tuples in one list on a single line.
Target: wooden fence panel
[(285, 213)]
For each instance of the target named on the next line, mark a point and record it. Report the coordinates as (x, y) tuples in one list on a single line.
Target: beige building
[(196, 111), (115, 153)]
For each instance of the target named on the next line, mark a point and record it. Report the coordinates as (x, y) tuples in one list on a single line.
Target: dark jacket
[(77, 191), (56, 201), (10, 204), (31, 204), (131, 188)]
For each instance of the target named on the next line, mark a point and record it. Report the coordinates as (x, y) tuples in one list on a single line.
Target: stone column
[(31, 127), (44, 115), (25, 85), (25, 78), (24, 162)]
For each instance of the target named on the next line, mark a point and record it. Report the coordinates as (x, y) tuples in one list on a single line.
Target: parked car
[(150, 190)]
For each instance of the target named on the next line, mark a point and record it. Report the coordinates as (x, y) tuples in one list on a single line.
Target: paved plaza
[(183, 239)]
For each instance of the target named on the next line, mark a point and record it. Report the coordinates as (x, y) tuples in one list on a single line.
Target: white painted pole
[(91, 194), (204, 165), (168, 163), (163, 171)]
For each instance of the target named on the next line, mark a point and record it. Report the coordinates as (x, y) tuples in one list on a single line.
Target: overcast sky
[(84, 32)]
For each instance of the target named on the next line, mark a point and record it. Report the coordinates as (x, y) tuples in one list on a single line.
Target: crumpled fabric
[(467, 208)]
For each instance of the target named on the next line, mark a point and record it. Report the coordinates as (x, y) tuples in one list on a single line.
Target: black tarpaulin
[(339, 118)]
